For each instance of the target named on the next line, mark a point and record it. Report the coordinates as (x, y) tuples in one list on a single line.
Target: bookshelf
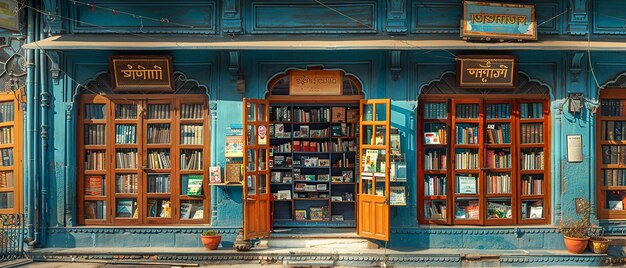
[(313, 163), (11, 149), (611, 160), (482, 160), (143, 160)]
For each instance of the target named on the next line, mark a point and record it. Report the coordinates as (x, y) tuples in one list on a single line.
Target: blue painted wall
[(382, 76)]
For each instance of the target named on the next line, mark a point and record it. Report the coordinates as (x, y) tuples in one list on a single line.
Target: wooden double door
[(373, 193)]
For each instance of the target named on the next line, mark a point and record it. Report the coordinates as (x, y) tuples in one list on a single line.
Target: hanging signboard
[(9, 16), (142, 73), (486, 21), (486, 71), (315, 82)]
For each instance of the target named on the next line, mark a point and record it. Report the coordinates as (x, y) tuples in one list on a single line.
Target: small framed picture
[(337, 217), (287, 179), (323, 195), (323, 177), (336, 198), (347, 175), (310, 188), (337, 179), (323, 162), (322, 187), (300, 186)]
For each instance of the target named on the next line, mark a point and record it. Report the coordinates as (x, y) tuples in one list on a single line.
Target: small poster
[(234, 146), (431, 138), (397, 196), (467, 185), (215, 174), (574, 148), (262, 135)]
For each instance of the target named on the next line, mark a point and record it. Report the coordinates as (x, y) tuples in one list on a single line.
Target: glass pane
[(535, 110), (532, 159), (380, 184), (367, 182), (467, 184), (373, 160), (435, 185), (368, 112), (126, 158), (381, 135), (498, 110), (498, 183), (192, 209), (159, 159), (381, 112), (251, 135), (126, 183), (435, 209), (125, 134), (613, 131), (499, 208), (498, 133), (435, 159), (262, 184), (95, 160), (95, 185), (92, 111), (533, 184), (261, 112), (280, 114), (159, 133), (159, 208), (467, 110), (6, 179), (614, 200), (126, 111), (94, 210), (251, 165), (467, 208), (251, 184), (467, 134), (191, 185), (437, 110), (158, 183), (250, 111), (531, 133), (466, 159), (435, 133), (95, 134), (367, 135), (262, 165), (192, 111), (532, 209), (191, 159), (499, 158), (126, 208), (191, 134), (7, 157), (6, 200), (159, 111)]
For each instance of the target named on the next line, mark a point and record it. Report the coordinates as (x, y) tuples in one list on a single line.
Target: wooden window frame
[(515, 146), (17, 189), (142, 147)]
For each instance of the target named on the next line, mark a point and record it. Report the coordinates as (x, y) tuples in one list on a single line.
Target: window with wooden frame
[(484, 159), (143, 160), (11, 153), (611, 154)]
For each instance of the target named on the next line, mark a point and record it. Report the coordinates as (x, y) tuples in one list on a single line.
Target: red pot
[(575, 245), (211, 242)]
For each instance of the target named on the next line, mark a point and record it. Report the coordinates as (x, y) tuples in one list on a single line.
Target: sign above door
[(486, 71), (142, 73), (498, 21), (315, 82)]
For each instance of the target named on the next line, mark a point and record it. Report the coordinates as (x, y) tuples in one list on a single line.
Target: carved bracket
[(231, 14), (579, 17), (54, 24), (576, 66), (396, 16), (233, 67), (396, 64), (55, 62)]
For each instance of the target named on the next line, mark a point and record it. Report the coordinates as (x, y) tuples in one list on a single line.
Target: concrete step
[(293, 242)]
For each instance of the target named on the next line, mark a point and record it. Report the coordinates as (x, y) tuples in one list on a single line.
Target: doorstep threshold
[(329, 232)]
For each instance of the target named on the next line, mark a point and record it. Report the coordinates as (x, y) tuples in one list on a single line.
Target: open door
[(373, 201), (256, 184)]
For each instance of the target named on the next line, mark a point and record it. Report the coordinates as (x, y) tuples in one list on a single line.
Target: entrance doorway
[(316, 156)]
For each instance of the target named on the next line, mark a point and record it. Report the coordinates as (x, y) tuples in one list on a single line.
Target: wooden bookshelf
[(611, 154), (309, 131), (11, 149), (483, 161), (145, 153)]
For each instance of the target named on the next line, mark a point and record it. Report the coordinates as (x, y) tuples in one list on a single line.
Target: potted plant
[(597, 242), (210, 239), (575, 233)]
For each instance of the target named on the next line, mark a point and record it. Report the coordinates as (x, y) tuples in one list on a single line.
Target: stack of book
[(532, 160), (435, 110), (126, 183), (95, 134), (126, 158), (159, 111), (531, 133), (614, 107), (125, 134), (191, 111), (191, 134), (159, 133), (499, 184), (531, 110)]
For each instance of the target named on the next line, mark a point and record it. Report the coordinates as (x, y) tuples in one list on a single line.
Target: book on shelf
[(531, 133), (152, 208), (194, 185), (498, 110), (126, 183), (467, 110), (185, 210), (126, 111), (124, 208), (191, 110), (435, 185), (371, 161), (337, 218), (94, 185), (498, 211), (159, 159), (431, 138), (532, 160), (352, 115), (466, 159), (199, 214), (472, 211), (126, 158), (531, 110), (95, 134), (435, 160), (92, 111), (6, 135), (304, 131), (300, 214), (6, 179), (191, 160), (498, 183), (498, 133), (339, 114), (125, 134), (498, 158), (467, 134), (536, 212), (284, 194), (159, 133), (532, 185), (158, 111), (191, 134), (158, 183), (435, 110), (466, 184), (215, 174), (95, 160)]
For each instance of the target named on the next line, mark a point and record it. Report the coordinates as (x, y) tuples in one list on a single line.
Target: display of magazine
[(215, 174), (194, 185), (185, 210)]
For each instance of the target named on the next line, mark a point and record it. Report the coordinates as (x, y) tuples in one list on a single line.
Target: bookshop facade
[(149, 144)]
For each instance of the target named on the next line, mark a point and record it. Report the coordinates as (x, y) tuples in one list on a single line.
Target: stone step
[(300, 242), (616, 240)]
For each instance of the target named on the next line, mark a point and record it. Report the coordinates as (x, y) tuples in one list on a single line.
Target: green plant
[(209, 233), (581, 227)]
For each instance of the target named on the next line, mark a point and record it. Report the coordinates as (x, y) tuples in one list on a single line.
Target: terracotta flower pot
[(598, 245), (211, 241), (575, 245)]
